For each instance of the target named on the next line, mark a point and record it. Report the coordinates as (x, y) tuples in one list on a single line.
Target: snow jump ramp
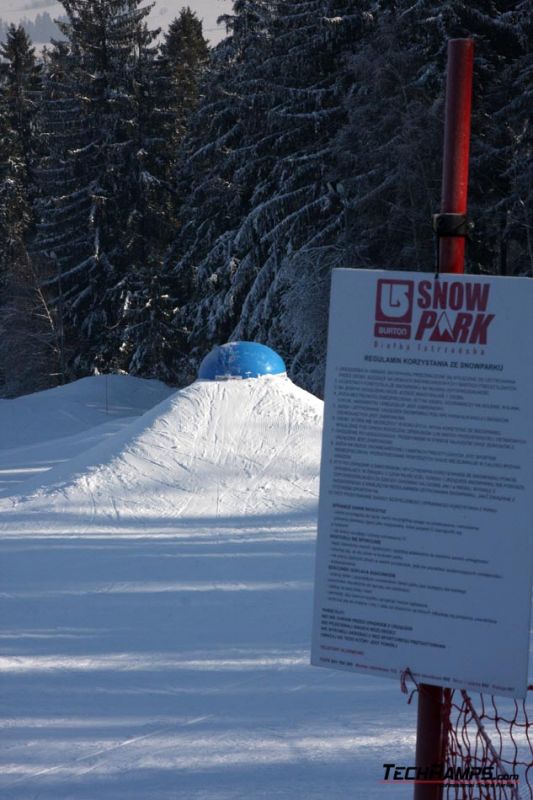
[(230, 447)]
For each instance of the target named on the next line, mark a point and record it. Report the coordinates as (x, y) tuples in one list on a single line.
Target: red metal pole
[(430, 729), (429, 741), (456, 147)]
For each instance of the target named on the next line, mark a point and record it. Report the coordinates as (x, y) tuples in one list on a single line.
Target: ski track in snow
[(156, 609)]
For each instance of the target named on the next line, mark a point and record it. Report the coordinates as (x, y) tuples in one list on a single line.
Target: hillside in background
[(41, 29), (27, 12)]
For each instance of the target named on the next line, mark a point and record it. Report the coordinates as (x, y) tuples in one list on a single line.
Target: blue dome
[(240, 360)]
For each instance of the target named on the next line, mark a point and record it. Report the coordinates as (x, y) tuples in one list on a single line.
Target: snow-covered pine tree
[(166, 93), (514, 211), (214, 199), (261, 228), (496, 28), (148, 340), (64, 247), (386, 162), (21, 89), (27, 335), (392, 146), (295, 233), (185, 52)]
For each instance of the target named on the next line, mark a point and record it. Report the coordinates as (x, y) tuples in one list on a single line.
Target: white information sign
[(425, 536)]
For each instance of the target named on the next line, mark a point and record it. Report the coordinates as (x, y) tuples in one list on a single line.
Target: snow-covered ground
[(156, 588)]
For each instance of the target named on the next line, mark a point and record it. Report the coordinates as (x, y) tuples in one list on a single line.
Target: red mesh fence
[(488, 731), (482, 731)]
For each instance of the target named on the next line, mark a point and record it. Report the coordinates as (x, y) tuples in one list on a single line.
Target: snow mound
[(74, 408), (211, 451)]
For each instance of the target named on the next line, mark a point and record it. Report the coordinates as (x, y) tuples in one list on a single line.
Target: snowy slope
[(156, 616), (79, 406), (74, 417)]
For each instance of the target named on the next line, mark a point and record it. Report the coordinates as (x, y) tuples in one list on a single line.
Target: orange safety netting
[(482, 731)]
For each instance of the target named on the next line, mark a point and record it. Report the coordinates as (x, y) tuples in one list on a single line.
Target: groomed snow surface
[(157, 556)]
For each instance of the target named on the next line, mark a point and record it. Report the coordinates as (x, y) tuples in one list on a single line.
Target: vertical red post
[(429, 741), (430, 728), (456, 147)]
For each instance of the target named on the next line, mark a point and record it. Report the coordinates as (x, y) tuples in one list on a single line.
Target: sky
[(209, 10), (164, 11)]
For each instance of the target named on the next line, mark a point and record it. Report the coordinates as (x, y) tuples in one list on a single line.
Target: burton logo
[(452, 312), (394, 309)]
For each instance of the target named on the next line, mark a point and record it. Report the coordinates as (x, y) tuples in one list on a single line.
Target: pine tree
[(295, 233), (64, 245), (147, 338), (27, 335), (212, 202), (186, 53), (392, 147), (22, 84), (103, 83), (514, 210), (167, 88)]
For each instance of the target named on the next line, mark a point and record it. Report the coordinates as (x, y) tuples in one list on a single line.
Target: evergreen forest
[(158, 196)]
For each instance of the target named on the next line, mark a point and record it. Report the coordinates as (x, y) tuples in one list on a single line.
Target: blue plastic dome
[(240, 360)]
